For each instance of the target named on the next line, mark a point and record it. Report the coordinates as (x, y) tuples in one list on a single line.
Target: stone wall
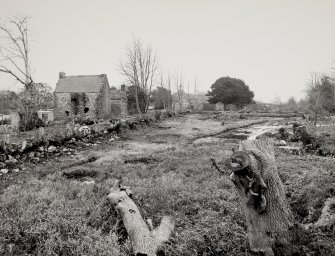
[(38, 145), (92, 106), (119, 108), (86, 107), (106, 94), (62, 104), (119, 104)]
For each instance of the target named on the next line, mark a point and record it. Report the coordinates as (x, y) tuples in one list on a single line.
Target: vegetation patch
[(141, 159), (54, 215), (80, 172), (79, 162)]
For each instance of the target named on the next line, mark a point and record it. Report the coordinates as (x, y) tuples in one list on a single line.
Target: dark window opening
[(67, 113), (44, 117), (86, 110), (75, 100)]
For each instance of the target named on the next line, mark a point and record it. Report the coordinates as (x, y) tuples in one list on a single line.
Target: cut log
[(327, 218), (144, 240), (268, 216)]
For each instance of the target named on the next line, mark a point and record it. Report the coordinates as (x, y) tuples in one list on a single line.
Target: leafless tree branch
[(139, 67), (15, 46)]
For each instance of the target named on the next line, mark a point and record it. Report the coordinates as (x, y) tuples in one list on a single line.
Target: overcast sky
[(272, 45)]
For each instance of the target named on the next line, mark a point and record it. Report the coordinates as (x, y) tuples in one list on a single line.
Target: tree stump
[(268, 216), (144, 240)]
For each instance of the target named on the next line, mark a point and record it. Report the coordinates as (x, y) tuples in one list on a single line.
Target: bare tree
[(139, 66), (161, 96), (41, 95), (15, 51), (292, 104), (168, 82), (38, 96), (179, 82), (319, 95), (162, 84), (15, 61)]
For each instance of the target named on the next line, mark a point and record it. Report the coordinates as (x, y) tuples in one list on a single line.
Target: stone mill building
[(85, 97)]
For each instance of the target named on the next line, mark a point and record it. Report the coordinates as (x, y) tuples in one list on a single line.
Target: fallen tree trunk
[(144, 240), (268, 216)]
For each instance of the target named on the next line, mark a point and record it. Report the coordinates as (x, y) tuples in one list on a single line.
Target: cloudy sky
[(272, 45)]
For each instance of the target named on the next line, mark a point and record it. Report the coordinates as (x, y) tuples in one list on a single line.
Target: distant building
[(46, 115), (85, 96), (12, 119), (219, 106), (199, 100), (189, 101), (119, 104)]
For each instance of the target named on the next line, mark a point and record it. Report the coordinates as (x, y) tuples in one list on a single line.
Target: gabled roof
[(90, 83)]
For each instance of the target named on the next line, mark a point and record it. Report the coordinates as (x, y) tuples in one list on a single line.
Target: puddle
[(208, 140), (164, 127), (235, 135), (253, 132), (259, 130)]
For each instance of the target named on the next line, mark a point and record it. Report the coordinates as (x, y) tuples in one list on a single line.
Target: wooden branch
[(6, 70), (215, 165), (144, 240), (19, 44)]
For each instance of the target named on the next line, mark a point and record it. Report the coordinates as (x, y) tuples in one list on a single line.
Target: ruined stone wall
[(119, 104), (119, 107), (106, 94), (62, 104), (99, 110), (66, 108), (93, 106)]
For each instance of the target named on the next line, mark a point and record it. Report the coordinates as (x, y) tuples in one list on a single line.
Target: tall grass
[(52, 215)]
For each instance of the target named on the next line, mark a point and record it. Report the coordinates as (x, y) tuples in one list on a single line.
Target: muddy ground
[(168, 168)]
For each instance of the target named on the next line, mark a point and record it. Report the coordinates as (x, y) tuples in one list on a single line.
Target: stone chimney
[(123, 87), (62, 75)]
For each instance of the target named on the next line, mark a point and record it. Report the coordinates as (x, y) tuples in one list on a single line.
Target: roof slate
[(86, 83)]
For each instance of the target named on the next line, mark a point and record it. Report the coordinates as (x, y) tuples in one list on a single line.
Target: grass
[(51, 215)]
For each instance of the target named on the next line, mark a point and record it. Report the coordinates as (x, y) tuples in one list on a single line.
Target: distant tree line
[(320, 97)]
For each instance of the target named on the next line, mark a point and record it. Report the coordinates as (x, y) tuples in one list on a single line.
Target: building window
[(67, 113), (44, 117), (86, 110)]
